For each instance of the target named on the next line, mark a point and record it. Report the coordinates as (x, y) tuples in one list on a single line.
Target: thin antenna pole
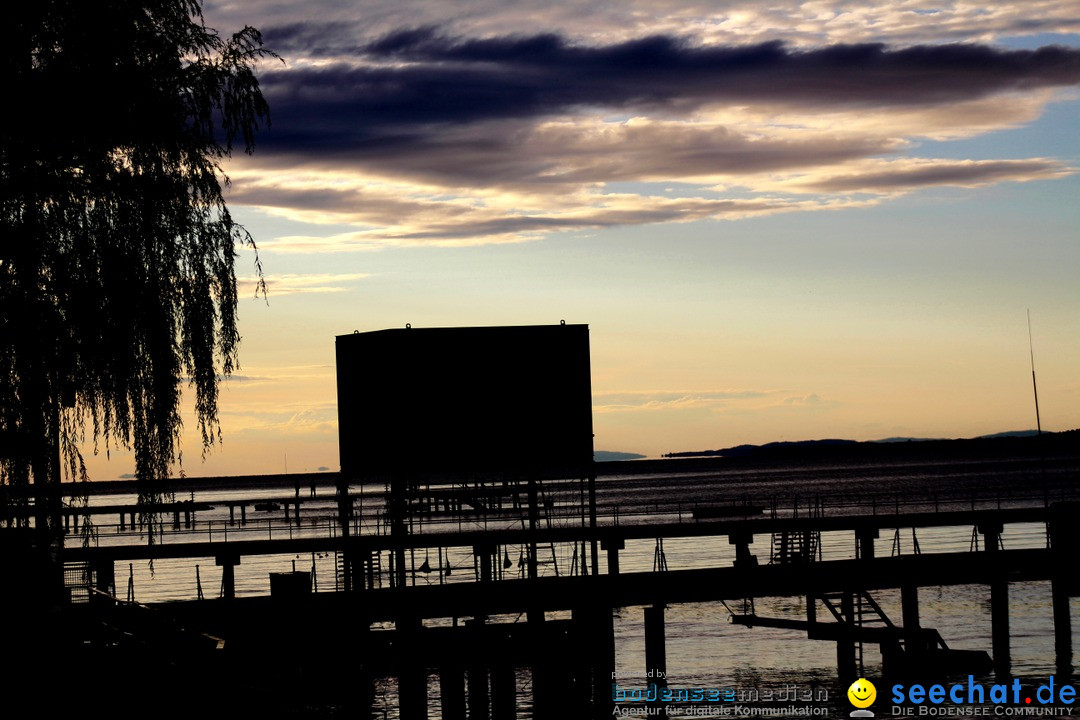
[(1034, 387)]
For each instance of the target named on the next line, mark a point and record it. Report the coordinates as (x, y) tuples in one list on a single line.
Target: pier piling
[(656, 651), (1062, 627), (477, 674), (228, 563), (742, 541), (864, 543), (503, 692), (612, 546), (105, 575), (999, 604), (595, 631), (1064, 546), (846, 665), (909, 602), (452, 691)]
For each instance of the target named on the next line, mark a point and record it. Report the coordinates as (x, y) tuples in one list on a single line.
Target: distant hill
[(905, 439), (768, 448), (1021, 441), (1007, 433), (612, 456), (1013, 433)]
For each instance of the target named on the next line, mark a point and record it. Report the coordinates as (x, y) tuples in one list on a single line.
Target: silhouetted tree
[(117, 282)]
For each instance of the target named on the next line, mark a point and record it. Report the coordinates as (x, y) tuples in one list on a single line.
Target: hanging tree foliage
[(117, 284)]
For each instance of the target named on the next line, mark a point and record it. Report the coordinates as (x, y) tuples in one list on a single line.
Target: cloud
[(803, 400), (741, 403), (905, 175), (292, 418), (464, 131), (607, 402), (324, 29), (295, 284), (442, 223), (437, 85)]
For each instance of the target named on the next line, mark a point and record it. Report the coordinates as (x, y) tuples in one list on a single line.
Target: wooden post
[(999, 604), (655, 654), (1062, 627), (228, 563), (534, 523), (503, 691), (452, 691), (742, 541), (592, 524), (1065, 546), (484, 554), (105, 576), (412, 673), (845, 645), (477, 673), (999, 627), (613, 546), (597, 625), (909, 600), (864, 543)]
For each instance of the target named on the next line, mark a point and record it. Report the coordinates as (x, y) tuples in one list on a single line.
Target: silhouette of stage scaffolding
[(491, 424)]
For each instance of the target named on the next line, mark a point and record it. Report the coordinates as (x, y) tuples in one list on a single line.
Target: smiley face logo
[(862, 693)]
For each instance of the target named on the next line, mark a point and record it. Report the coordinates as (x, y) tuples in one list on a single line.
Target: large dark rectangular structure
[(425, 402)]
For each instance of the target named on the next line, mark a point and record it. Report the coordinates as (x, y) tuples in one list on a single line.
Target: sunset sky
[(785, 220)]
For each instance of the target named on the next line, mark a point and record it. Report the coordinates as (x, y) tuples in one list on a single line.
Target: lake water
[(766, 667)]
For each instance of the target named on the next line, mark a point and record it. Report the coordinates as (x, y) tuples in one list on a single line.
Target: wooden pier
[(837, 593)]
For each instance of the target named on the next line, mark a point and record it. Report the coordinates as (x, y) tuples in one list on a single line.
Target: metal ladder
[(865, 613)]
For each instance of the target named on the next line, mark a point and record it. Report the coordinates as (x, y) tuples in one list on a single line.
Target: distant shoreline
[(1014, 441), (1048, 445)]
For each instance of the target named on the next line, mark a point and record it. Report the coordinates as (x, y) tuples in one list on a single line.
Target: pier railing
[(321, 520)]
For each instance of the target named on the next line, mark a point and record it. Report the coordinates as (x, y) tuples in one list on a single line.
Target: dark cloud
[(408, 91), (542, 125), (326, 28)]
